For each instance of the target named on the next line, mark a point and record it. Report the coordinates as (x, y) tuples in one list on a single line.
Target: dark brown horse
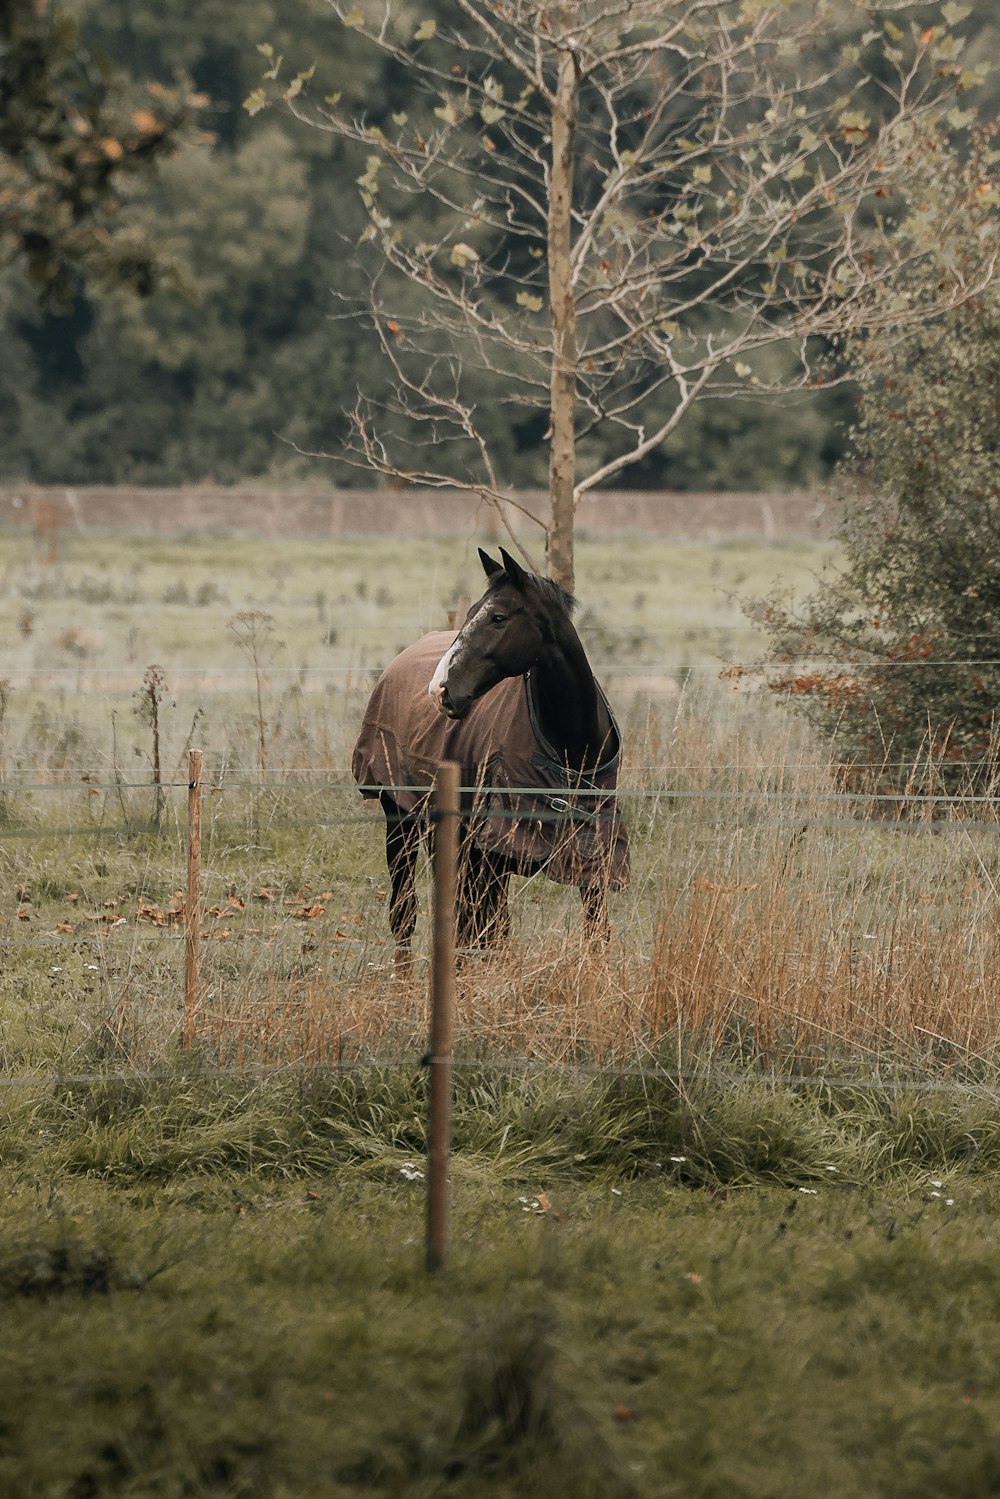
[(512, 699)]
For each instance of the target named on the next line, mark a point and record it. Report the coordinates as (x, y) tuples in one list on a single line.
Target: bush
[(895, 654)]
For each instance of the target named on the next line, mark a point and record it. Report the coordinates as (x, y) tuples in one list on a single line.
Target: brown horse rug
[(516, 802)]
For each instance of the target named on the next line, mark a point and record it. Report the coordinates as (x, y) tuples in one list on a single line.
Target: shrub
[(895, 653)]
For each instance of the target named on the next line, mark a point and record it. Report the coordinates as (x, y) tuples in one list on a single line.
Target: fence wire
[(520, 1066)]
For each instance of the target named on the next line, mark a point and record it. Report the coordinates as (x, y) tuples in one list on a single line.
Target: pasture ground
[(237, 1333), (725, 1199)]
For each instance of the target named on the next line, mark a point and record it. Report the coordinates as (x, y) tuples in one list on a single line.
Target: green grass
[(700, 1125), (241, 1335)]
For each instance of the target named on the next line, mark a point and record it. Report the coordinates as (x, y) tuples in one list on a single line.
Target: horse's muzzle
[(445, 705)]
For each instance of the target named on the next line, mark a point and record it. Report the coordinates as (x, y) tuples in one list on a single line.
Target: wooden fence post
[(445, 815), (456, 616), (192, 902)]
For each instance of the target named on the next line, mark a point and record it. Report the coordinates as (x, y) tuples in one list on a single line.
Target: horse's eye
[(498, 619)]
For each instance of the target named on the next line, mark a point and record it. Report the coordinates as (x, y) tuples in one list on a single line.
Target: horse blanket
[(515, 777)]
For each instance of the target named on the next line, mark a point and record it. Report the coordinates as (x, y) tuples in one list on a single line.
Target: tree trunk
[(562, 453)]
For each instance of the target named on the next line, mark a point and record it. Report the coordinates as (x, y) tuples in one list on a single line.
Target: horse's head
[(503, 635)]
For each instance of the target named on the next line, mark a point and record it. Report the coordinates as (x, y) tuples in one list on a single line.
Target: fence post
[(445, 814), (456, 616), (192, 901)]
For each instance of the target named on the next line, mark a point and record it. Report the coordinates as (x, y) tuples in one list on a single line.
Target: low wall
[(387, 512)]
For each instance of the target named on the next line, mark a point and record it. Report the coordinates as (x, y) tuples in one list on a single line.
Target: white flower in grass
[(678, 1160), (411, 1172), (809, 1191)]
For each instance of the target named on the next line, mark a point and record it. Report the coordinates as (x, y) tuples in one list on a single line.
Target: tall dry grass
[(771, 921)]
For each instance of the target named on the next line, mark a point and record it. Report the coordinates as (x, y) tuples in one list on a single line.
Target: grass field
[(245, 1336), (725, 1198)]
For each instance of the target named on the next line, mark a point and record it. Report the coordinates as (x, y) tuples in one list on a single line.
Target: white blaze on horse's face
[(452, 657), (435, 687)]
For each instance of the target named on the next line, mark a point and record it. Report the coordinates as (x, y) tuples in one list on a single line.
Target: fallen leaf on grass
[(63, 929), (623, 1414), (306, 913), (23, 914), (541, 1206)]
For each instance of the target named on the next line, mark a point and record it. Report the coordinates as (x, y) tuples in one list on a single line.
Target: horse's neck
[(572, 714)]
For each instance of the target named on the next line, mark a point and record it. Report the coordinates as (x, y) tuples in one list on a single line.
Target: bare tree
[(608, 209)]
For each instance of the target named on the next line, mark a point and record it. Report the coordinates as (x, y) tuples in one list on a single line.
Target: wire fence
[(362, 673), (313, 921)]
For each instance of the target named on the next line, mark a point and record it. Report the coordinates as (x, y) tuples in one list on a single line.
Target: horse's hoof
[(402, 967)]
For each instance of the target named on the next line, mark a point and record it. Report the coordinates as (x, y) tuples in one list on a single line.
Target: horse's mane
[(554, 594), (551, 592)]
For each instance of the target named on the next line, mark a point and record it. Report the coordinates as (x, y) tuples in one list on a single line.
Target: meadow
[(725, 1196)]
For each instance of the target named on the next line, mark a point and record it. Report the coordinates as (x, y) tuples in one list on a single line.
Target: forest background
[(242, 363)]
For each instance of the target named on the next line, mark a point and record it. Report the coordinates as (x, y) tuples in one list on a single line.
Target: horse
[(512, 699)]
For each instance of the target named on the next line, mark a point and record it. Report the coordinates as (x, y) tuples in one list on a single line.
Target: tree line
[(244, 355)]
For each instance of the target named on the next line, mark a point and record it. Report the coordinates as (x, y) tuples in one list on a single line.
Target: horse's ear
[(490, 568), (514, 570)]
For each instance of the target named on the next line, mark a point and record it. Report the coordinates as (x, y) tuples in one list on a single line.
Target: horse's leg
[(402, 844), (496, 925), (493, 912), (482, 916), (596, 923), (469, 892)]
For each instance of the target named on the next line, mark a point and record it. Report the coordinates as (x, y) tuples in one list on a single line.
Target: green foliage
[(895, 653), (264, 220), (72, 135)]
